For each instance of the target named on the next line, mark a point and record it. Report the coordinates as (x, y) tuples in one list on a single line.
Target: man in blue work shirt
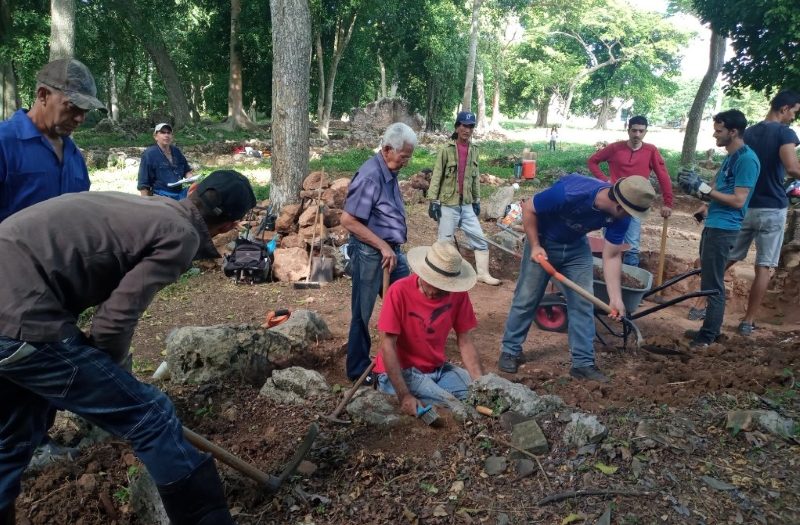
[(375, 216), (556, 222), (163, 165), (729, 199), (38, 159)]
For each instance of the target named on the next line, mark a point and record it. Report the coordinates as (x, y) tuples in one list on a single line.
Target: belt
[(394, 245)]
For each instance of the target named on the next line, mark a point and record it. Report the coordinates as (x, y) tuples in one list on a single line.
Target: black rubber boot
[(197, 499), (7, 516)]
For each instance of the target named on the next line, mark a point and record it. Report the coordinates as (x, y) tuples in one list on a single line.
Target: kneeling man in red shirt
[(418, 313)]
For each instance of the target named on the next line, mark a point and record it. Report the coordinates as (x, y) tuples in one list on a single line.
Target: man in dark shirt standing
[(375, 216), (162, 166), (774, 143), (113, 251)]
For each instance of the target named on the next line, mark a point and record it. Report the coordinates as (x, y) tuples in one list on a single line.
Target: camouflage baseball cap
[(73, 79)]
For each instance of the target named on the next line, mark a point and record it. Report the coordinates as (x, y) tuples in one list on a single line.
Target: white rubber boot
[(482, 267)]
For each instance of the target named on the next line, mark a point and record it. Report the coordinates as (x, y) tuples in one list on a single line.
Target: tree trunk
[(393, 87), (480, 128), (602, 116), (433, 106), (321, 73), (716, 59), (62, 29), (466, 101), (344, 30), (541, 112), (495, 122), (237, 118), (153, 42), (382, 66), (8, 81), (113, 97), (291, 62)]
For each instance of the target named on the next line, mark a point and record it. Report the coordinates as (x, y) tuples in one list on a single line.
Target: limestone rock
[(294, 385), (332, 217), (583, 429), (304, 326), (411, 195), (501, 394), (293, 241), (308, 217), (494, 206), (145, 500), (528, 436), (339, 235), (767, 420), (287, 218), (315, 180), (335, 196), (200, 354), (495, 465), (373, 408), (290, 264)]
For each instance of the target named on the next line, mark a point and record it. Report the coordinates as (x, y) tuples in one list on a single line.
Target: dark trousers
[(71, 375), (715, 247), (367, 280)]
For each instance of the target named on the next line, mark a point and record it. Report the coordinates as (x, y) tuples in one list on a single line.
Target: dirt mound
[(643, 378)]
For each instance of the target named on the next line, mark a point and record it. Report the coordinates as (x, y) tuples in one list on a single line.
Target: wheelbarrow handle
[(558, 276)]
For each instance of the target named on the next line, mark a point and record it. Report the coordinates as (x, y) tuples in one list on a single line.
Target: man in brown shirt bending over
[(113, 251)]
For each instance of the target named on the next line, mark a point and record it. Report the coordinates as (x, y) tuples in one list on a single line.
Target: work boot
[(482, 268), (197, 499), (589, 373), (508, 363), (7, 516)]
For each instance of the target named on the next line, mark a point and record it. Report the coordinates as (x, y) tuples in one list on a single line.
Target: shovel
[(321, 268), (588, 296)]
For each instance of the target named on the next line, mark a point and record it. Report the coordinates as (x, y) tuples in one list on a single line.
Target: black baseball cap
[(73, 79), (235, 196)]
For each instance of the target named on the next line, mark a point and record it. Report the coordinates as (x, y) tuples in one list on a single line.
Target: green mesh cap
[(73, 79)]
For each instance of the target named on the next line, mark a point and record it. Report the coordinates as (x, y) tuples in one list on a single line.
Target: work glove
[(435, 210), (691, 184), (476, 207)]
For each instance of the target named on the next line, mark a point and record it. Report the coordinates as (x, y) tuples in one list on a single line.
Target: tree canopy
[(765, 35)]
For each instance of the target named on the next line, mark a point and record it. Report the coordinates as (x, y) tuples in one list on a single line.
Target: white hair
[(398, 135)]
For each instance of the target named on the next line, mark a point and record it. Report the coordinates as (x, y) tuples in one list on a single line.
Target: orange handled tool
[(574, 286)]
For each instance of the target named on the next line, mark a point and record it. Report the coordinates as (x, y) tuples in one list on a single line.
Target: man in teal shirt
[(728, 204)]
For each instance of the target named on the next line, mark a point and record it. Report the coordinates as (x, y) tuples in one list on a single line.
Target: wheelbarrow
[(551, 315)]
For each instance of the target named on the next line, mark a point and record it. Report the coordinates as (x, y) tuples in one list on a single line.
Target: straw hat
[(441, 266), (635, 194)]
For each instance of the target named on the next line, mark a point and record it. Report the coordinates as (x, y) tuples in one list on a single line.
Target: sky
[(695, 57)]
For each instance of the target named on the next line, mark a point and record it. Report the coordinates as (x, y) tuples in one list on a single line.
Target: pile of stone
[(316, 217)]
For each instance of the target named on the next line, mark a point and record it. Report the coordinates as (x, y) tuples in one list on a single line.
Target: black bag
[(249, 262)]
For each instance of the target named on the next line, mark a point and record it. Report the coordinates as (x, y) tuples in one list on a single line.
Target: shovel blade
[(321, 269)]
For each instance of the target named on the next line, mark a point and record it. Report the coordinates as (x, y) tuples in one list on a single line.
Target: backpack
[(249, 262)]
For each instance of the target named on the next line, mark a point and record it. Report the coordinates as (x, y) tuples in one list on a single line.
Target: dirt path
[(407, 475)]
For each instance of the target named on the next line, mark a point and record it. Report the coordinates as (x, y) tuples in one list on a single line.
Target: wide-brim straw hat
[(442, 266), (635, 194)]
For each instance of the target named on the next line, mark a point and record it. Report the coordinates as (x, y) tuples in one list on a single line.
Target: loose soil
[(418, 474), (626, 280)]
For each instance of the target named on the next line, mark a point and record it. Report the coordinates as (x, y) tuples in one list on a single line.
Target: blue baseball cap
[(466, 117)]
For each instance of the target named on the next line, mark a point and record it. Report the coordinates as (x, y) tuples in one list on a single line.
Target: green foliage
[(763, 34)]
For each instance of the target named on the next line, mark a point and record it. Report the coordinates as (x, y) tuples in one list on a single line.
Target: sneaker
[(696, 314), (590, 373), (694, 344), (745, 328), (508, 363), (692, 334)]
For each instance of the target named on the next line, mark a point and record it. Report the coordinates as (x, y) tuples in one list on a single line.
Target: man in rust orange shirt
[(634, 157)]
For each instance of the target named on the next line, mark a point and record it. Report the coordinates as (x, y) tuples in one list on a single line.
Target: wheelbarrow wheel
[(551, 318)]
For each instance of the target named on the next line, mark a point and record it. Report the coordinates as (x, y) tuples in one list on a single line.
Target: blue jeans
[(367, 281), (462, 217), (70, 375), (435, 388), (574, 260), (177, 195), (633, 237), (715, 248)]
